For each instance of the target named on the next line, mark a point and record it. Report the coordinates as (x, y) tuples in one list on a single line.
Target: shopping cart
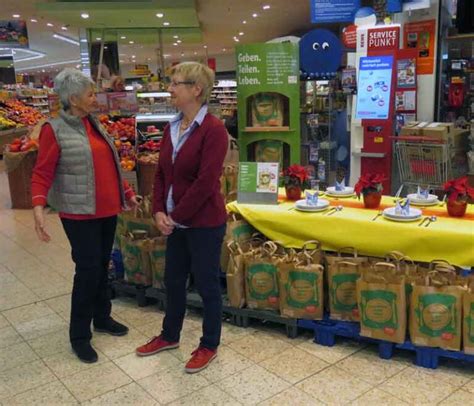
[(422, 161)]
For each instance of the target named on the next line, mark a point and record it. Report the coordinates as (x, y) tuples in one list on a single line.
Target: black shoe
[(112, 327), (85, 352)]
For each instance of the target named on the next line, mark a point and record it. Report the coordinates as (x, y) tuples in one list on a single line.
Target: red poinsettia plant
[(369, 183), (296, 176), (458, 189)]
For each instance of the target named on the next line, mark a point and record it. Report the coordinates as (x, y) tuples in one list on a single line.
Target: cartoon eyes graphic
[(325, 46)]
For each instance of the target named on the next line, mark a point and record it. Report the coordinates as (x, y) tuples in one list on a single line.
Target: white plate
[(348, 191), (431, 200), (415, 214), (302, 206)]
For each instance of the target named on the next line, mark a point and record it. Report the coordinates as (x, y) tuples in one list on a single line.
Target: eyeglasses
[(181, 82)]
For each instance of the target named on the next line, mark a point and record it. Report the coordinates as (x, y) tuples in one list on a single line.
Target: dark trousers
[(196, 251), (91, 244)]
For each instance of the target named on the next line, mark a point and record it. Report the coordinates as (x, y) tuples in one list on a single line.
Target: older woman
[(79, 167), (189, 208)]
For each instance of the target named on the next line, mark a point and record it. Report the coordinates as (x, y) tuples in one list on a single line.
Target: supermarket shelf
[(266, 129)]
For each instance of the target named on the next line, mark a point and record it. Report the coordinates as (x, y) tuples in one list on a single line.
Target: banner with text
[(333, 11)]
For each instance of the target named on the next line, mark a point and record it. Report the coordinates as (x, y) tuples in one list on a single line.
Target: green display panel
[(268, 102)]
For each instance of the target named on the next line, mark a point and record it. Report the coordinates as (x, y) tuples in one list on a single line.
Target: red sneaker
[(155, 345), (201, 358)]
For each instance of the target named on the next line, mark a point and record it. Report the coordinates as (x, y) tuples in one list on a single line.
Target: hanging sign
[(421, 36), (333, 11), (258, 182), (374, 85), (13, 34)]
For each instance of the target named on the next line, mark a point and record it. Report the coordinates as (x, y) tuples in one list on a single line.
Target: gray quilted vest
[(73, 189)]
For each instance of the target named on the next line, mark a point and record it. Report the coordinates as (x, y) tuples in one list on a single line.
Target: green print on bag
[(131, 258), (242, 232), (158, 263), (343, 294), (470, 324), (302, 289), (379, 309), (262, 280), (436, 313)]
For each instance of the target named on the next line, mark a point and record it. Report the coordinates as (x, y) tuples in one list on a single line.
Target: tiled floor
[(255, 365)]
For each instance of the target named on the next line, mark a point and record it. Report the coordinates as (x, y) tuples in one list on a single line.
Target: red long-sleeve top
[(107, 190)]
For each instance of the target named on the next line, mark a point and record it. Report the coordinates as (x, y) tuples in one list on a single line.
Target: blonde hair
[(198, 73)]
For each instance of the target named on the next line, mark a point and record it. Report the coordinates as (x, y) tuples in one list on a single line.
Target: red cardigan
[(195, 176)]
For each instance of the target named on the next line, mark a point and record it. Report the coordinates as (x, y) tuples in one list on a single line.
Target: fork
[(378, 215)]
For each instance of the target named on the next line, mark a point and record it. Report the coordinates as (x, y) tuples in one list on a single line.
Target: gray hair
[(70, 82)]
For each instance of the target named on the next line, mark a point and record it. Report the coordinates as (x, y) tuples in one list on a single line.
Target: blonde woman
[(190, 210)]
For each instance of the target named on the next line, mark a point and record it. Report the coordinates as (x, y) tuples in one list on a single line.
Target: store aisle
[(255, 365)]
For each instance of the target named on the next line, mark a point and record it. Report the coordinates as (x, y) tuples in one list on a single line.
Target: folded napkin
[(311, 198), (422, 193), (403, 209), (340, 186)]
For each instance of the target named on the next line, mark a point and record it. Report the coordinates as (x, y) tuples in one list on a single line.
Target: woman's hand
[(40, 228), (164, 223), (134, 202)]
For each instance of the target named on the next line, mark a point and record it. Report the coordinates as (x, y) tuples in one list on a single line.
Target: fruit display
[(127, 164), (5, 123), (20, 113), (149, 158), (150, 146), (23, 144), (121, 128), (127, 154)]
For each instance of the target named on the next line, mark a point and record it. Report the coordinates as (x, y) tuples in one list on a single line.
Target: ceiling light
[(121, 61), (175, 44), (66, 39), (50, 25), (77, 66), (64, 28), (34, 20), (195, 53), (16, 15), (241, 33), (236, 39), (223, 49), (244, 22), (205, 46), (266, 7), (133, 56), (85, 15), (98, 39), (123, 37), (175, 36), (42, 70), (131, 42), (254, 15), (166, 23), (74, 61), (84, 40), (160, 15), (179, 41)]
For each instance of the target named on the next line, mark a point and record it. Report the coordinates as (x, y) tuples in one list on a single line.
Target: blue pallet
[(326, 331), (117, 260)]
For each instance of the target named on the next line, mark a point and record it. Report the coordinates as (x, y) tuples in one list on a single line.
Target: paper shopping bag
[(468, 316), (342, 278), (157, 254), (235, 276), (436, 314), (301, 290), (136, 261), (382, 303), (261, 278)]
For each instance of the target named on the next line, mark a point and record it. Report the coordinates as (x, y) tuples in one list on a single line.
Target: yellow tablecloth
[(451, 239)]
